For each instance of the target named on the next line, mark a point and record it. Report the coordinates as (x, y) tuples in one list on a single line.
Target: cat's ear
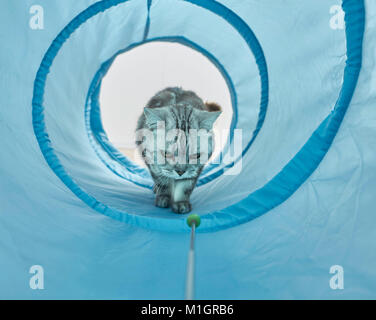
[(207, 119), (154, 115), (212, 106)]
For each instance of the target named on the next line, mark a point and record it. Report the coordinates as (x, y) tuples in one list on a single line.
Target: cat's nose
[(180, 172)]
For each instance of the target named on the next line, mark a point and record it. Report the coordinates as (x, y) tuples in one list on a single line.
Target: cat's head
[(182, 139)]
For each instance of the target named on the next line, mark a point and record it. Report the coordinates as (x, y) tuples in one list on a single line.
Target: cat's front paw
[(181, 207), (162, 201)]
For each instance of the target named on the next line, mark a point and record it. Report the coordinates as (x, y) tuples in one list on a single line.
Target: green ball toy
[(193, 218)]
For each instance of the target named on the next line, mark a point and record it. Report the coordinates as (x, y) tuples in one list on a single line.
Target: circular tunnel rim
[(99, 138), (139, 175), (273, 193)]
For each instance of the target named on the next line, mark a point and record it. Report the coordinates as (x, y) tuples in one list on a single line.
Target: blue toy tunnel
[(292, 78)]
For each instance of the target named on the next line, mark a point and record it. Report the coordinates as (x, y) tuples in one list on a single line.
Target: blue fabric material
[(311, 168)]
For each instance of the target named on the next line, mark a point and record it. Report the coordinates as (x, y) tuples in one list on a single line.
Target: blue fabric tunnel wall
[(300, 90)]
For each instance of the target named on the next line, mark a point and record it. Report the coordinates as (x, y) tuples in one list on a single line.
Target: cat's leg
[(161, 189), (180, 194), (162, 194)]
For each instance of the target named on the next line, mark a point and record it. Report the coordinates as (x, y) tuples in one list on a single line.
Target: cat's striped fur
[(181, 112)]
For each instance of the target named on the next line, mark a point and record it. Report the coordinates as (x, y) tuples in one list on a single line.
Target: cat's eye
[(195, 156)]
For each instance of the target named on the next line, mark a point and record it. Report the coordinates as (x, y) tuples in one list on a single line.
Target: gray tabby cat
[(177, 161)]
